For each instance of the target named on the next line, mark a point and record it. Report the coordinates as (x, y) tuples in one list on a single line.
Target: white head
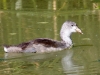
[(67, 29)]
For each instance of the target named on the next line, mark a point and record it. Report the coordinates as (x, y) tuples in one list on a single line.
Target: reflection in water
[(54, 4), (19, 26), (30, 56), (18, 5), (68, 65), (74, 62), (71, 62)]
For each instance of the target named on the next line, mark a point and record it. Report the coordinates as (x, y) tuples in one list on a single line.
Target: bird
[(46, 45)]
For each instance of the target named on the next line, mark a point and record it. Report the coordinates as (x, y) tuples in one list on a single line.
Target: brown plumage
[(23, 45), (46, 42), (41, 45)]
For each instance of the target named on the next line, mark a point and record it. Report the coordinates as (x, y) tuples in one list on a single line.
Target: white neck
[(65, 35)]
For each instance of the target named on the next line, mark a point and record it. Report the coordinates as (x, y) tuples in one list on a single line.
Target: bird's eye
[(72, 25)]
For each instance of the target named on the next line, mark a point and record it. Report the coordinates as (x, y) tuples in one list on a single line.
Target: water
[(25, 22)]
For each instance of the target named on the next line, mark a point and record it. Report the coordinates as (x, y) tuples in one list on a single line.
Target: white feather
[(5, 49)]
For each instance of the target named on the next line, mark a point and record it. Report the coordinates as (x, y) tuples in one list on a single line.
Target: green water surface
[(24, 20)]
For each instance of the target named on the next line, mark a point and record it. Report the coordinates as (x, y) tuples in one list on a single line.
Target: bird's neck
[(65, 36)]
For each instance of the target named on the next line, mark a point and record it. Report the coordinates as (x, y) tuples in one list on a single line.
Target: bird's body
[(42, 45)]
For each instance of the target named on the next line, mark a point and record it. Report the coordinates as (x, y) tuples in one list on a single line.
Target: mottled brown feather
[(7, 46), (43, 41), (48, 42), (23, 45)]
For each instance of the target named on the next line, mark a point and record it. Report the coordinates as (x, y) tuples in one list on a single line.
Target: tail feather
[(12, 49), (23, 47), (5, 49)]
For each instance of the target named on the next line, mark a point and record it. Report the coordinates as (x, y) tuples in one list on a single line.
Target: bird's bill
[(78, 30)]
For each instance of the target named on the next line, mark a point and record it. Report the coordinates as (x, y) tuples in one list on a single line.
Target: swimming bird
[(42, 45)]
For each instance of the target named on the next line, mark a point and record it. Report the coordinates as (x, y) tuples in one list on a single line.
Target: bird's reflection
[(67, 62), (69, 66)]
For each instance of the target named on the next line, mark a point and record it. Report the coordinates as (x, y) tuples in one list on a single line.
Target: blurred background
[(25, 20)]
